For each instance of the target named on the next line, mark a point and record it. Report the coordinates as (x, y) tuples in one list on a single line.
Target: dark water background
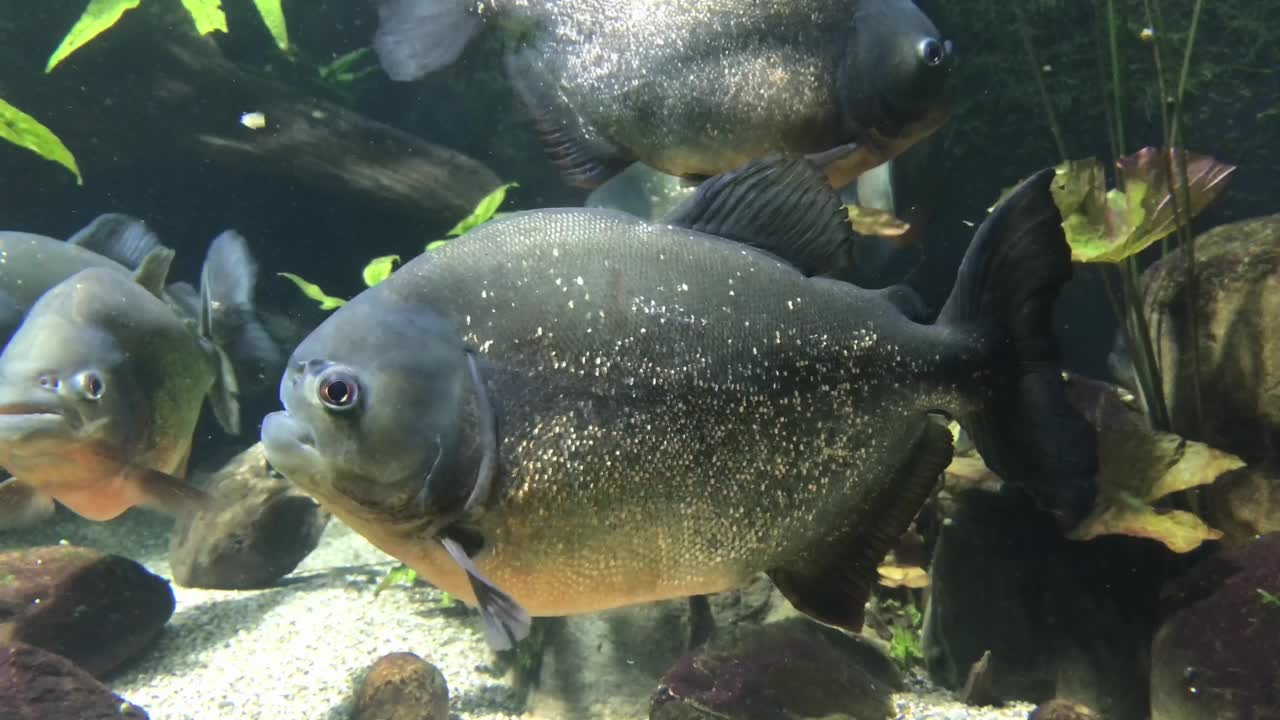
[(998, 135)]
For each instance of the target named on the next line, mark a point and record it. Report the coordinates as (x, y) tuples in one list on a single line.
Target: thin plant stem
[(1036, 68)]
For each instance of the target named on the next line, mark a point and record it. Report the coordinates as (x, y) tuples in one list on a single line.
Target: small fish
[(102, 384), (694, 89), (568, 410)]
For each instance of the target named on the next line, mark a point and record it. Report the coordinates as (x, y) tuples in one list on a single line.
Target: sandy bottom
[(296, 651)]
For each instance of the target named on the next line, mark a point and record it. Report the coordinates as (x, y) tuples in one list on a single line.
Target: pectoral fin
[(832, 584), (505, 622), (166, 493)]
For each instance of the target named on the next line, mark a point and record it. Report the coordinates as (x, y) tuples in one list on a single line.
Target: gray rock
[(39, 685), (782, 671), (99, 611), (258, 530), (402, 686), (1214, 657)]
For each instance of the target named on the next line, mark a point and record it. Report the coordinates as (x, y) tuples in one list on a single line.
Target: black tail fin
[(1005, 290)]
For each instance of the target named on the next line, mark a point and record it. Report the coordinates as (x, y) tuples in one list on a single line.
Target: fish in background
[(568, 410), (694, 89), (103, 381)]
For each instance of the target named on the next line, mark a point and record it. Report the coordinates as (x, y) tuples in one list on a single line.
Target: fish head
[(894, 79), (68, 390), (372, 398)]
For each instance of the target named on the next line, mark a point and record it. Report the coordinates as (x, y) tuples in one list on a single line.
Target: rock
[(607, 664), (99, 611), (402, 686), (790, 669), (1062, 710), (1214, 656), (258, 530), (1244, 503), (1062, 619), (1238, 317), (39, 685)]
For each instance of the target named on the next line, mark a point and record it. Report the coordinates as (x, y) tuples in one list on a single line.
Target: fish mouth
[(24, 420), (290, 447)]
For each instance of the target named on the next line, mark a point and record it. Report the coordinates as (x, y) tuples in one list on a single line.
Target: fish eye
[(339, 392), (90, 385), (932, 51)]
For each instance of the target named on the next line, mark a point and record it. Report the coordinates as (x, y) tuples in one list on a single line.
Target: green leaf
[(207, 15), (399, 575), (314, 292), (379, 269), (484, 210), (25, 131), (436, 244), (1110, 225), (96, 18), (273, 16)]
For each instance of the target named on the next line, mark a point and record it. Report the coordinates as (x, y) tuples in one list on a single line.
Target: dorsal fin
[(782, 206), (118, 237), (154, 270)]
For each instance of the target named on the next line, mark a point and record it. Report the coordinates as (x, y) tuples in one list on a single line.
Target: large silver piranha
[(697, 88), (104, 379), (568, 410)]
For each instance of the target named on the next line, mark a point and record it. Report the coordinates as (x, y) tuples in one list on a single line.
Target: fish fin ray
[(228, 319), (185, 298), (417, 37), (837, 591), (167, 493), (505, 622), (118, 237), (154, 270), (780, 205), (585, 158), (1024, 428)]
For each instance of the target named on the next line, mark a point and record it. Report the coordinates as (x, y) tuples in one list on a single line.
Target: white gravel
[(295, 652)]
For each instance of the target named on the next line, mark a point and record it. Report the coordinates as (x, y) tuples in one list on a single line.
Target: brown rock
[(257, 531), (1062, 710), (402, 686), (1237, 310), (1215, 658), (97, 610), (39, 685)]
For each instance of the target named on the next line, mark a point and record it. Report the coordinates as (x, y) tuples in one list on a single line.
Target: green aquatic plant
[(345, 70), (380, 268), (398, 575), (25, 131), (1268, 599), (207, 15)]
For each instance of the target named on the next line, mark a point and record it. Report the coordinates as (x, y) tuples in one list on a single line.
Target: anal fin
[(505, 622), (835, 591), (586, 159)]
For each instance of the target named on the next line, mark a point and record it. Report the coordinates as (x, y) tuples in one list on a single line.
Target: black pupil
[(337, 392), (95, 385), (932, 52)]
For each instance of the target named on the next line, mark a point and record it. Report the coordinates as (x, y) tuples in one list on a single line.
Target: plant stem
[(1037, 69)]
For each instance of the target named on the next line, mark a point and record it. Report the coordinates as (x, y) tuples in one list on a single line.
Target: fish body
[(103, 381), (571, 410), (696, 89)]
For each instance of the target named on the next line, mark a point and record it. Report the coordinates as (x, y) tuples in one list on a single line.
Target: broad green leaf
[(273, 16), (1110, 225), (25, 131), (207, 15), (875, 222), (97, 17), (435, 244), (314, 292), (379, 269), (484, 210), (1139, 466)]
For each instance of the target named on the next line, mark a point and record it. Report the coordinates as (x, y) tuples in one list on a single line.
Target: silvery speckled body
[(30, 264), (696, 88), (677, 412)]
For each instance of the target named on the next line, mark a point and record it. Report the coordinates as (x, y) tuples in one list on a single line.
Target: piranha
[(695, 89), (568, 410), (102, 383)]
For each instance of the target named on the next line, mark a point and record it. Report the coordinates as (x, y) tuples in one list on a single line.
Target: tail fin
[(417, 37), (1005, 290), (228, 319)]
